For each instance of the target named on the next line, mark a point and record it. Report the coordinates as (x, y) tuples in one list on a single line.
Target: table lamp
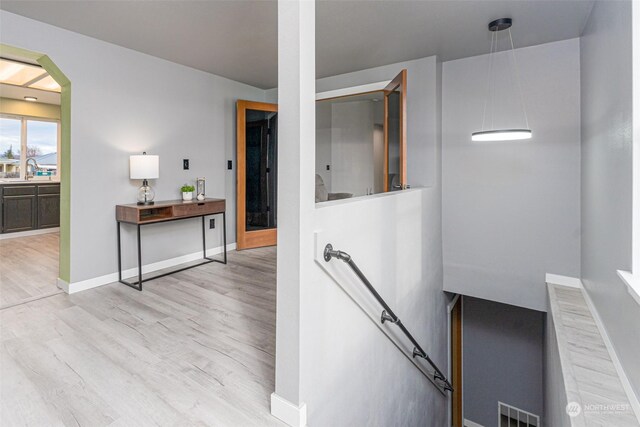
[(144, 167)]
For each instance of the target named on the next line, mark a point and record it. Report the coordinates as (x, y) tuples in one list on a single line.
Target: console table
[(166, 211)]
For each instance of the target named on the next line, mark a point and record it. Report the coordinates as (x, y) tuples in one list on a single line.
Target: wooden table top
[(167, 210), (165, 203)]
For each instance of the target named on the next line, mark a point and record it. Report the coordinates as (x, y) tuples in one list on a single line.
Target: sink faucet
[(34, 168)]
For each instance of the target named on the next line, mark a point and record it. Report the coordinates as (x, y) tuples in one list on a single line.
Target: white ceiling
[(238, 39), (18, 92)]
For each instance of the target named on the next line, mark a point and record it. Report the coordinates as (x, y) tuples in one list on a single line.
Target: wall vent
[(510, 416)]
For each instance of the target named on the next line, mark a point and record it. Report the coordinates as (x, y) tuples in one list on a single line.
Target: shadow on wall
[(503, 356)]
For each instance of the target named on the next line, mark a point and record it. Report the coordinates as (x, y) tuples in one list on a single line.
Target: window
[(28, 148), (361, 141), (10, 143)]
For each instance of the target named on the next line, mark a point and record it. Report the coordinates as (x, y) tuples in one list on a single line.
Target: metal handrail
[(387, 313)]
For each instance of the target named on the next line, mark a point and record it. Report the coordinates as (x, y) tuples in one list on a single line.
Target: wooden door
[(456, 363), (395, 133), (257, 139)]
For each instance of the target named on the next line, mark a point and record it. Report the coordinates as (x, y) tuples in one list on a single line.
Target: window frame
[(632, 278), (23, 145), (385, 88)]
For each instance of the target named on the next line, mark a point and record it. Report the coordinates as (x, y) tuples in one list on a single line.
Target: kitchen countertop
[(32, 182)]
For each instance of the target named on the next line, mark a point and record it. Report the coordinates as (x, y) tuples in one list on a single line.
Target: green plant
[(187, 188)]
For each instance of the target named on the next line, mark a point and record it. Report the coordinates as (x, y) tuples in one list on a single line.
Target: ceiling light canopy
[(509, 134)]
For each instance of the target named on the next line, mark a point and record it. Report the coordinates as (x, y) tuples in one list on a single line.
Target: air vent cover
[(510, 416)]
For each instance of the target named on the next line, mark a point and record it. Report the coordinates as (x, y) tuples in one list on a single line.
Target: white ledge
[(556, 279), (633, 283), (354, 90)]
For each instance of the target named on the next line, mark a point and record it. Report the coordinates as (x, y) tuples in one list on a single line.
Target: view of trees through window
[(23, 139)]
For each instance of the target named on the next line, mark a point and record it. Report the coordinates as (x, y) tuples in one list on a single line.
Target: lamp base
[(145, 194), (145, 203)]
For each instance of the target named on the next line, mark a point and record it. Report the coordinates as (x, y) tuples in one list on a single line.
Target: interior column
[(296, 195)]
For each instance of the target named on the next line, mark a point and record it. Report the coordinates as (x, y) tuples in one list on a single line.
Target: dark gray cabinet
[(29, 207), (18, 213), (48, 210)]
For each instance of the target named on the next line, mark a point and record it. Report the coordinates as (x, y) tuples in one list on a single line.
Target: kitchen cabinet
[(30, 206)]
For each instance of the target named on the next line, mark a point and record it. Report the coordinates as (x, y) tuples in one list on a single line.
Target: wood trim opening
[(254, 238)]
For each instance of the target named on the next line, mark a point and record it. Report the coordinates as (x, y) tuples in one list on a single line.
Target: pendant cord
[(517, 74), (489, 85)]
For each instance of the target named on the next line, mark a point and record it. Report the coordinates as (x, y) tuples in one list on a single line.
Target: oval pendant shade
[(501, 135), (503, 24)]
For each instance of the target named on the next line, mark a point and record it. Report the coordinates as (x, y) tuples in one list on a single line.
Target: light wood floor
[(193, 349), (28, 268)]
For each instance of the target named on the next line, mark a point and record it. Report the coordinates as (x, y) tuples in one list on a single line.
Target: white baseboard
[(83, 285), (287, 412), (64, 285), (469, 423), (19, 234)]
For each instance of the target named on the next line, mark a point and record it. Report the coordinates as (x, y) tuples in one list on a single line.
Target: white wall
[(606, 62), (511, 210), (323, 142), (350, 140), (350, 373), (378, 158), (352, 147), (555, 392), (124, 102), (501, 363)]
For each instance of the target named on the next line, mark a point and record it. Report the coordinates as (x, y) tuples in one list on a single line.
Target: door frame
[(455, 325), (256, 238), (64, 257), (399, 81)]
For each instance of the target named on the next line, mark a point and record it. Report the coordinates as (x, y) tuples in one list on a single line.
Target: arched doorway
[(64, 151)]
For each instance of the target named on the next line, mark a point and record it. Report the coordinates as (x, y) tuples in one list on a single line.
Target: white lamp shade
[(144, 167)]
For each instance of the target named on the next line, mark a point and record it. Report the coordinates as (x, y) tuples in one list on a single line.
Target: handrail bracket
[(386, 317), (330, 253), (418, 353)]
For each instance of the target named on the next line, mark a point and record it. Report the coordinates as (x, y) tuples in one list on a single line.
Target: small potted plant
[(187, 192)]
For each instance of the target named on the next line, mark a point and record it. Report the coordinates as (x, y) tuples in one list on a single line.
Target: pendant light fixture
[(510, 134)]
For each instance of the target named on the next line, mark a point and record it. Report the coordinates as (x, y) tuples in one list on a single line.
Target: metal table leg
[(139, 260), (119, 256), (224, 235), (138, 285)]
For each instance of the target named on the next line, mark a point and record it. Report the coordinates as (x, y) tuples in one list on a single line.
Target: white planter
[(187, 196)]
